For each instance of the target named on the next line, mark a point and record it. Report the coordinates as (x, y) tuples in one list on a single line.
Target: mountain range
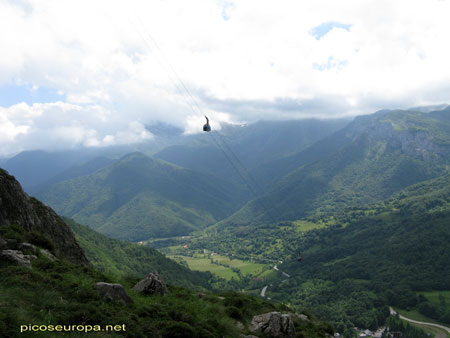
[(365, 202)]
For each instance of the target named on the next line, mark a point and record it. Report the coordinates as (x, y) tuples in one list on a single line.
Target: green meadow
[(438, 298), (220, 266)]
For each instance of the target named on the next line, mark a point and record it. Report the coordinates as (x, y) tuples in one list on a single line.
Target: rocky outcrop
[(411, 139), (301, 317), (26, 247), (113, 292), (151, 284), (16, 257), (273, 325), (17, 208), (48, 254)]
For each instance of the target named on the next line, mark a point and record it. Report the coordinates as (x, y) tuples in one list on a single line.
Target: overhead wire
[(219, 141)]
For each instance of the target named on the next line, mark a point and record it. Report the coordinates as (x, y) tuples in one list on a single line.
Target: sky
[(92, 73)]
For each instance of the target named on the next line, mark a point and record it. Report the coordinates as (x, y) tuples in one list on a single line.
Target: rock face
[(113, 292), (48, 254), (151, 284), (16, 207), (16, 257), (273, 324), (412, 141), (27, 247)]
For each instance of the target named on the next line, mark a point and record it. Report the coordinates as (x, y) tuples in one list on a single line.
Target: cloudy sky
[(87, 73)]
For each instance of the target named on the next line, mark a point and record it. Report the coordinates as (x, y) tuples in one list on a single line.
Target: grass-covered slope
[(139, 197), (52, 296), (61, 293), (122, 259)]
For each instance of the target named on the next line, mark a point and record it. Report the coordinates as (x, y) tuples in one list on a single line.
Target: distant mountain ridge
[(137, 197), (248, 146), (370, 159)]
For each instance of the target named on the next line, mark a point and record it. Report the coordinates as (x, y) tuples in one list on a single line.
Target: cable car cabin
[(206, 127), (299, 259)]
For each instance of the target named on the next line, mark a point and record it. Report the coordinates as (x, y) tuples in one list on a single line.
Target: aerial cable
[(172, 80), (192, 103), (190, 100), (173, 70), (250, 177)]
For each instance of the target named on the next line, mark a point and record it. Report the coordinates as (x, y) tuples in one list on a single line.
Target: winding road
[(423, 323), (264, 289)]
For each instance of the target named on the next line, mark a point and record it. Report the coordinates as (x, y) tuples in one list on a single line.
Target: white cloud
[(241, 60), (59, 125)]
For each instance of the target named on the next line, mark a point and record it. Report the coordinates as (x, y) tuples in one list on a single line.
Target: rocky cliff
[(416, 134), (17, 208)]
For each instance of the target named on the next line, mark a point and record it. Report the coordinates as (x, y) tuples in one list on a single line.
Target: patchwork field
[(221, 266)]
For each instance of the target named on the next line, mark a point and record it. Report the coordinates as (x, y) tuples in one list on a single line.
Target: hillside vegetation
[(359, 260), (43, 294), (379, 155), (139, 197), (123, 259)]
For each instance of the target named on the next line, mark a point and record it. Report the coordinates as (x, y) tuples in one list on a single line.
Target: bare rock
[(239, 325), (27, 247), (273, 324), (113, 292), (16, 257), (48, 254), (300, 316), (151, 284), (3, 244), (303, 317)]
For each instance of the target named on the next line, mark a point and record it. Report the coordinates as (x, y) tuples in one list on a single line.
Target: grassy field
[(303, 225), (437, 297), (202, 262), (415, 315)]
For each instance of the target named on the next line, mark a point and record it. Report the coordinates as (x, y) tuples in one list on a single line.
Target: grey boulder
[(16, 257), (113, 292), (273, 325), (150, 285)]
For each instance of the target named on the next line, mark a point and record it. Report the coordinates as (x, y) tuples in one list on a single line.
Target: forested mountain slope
[(380, 154), (139, 197)]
